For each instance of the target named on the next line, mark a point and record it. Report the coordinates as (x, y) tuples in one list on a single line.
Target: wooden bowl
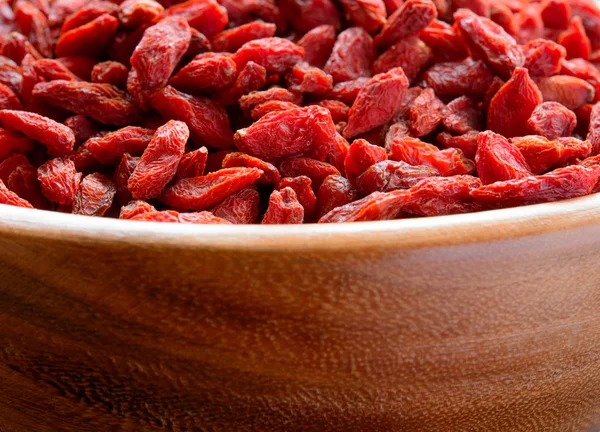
[(482, 322)]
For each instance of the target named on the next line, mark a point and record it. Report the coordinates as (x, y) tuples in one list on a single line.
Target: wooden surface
[(486, 322)]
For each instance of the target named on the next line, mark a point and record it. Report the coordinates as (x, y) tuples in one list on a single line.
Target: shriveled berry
[(437, 196), (425, 114), (274, 54), (567, 90), (94, 196), (352, 55), (411, 54), (318, 45), (498, 160), (207, 72), (335, 191), (388, 175), (361, 156), (302, 185), (377, 206), (270, 174), (59, 180), (284, 208), (552, 120), (206, 16), (135, 208), (239, 208), (8, 197), (412, 17), (192, 164), (110, 72), (109, 148), (469, 77), (462, 116), (233, 39)]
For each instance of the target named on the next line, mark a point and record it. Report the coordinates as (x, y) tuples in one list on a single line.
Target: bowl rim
[(487, 226)]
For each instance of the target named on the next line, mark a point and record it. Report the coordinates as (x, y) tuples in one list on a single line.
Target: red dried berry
[(58, 138), (569, 91), (199, 193), (158, 165), (462, 116), (33, 24), (317, 171), (377, 102), (101, 102), (488, 41), (192, 164), (301, 131), (575, 40), (207, 120), (88, 14), (471, 78), (253, 99), (59, 180), (361, 156), (137, 13), (415, 152), (207, 72), (95, 195), (8, 99), (274, 54), (543, 57), (263, 109), (110, 72), (305, 15), (109, 148), (239, 208), (304, 78), (412, 17), (552, 120), (135, 208), (387, 176), (425, 114), (539, 153), (556, 14), (172, 216), (411, 54), (445, 41), (318, 45), (252, 77), (302, 185), (121, 177), (563, 183), (15, 46), (352, 55), (206, 16), (270, 174), (335, 191), (284, 208), (89, 39), (233, 39), (467, 143), (377, 206), (512, 106), (499, 160), (8, 197), (368, 14), (437, 196)]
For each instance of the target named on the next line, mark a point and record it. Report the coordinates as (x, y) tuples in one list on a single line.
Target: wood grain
[(484, 322)]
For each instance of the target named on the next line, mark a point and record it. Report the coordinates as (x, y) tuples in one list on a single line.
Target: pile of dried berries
[(291, 111)]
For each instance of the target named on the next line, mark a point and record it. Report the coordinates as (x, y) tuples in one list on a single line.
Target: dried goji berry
[(386, 176), (543, 57), (498, 160), (233, 39), (445, 42), (159, 162), (53, 70), (58, 138), (82, 127), (563, 183), (252, 77), (317, 171), (593, 135), (471, 78), (110, 72), (253, 99), (207, 120), (199, 193), (89, 39), (59, 180), (8, 99), (204, 217), (274, 54), (123, 44), (13, 142), (192, 164), (318, 45), (377, 102), (503, 16), (101, 102), (448, 162), (399, 129), (284, 208), (575, 40), (33, 24), (83, 159), (361, 156), (207, 72), (156, 56), (109, 148), (302, 131), (23, 181), (136, 13), (239, 208), (305, 15), (338, 152), (10, 74), (567, 90), (199, 44), (425, 114), (488, 41), (529, 23), (467, 143), (206, 16), (270, 174), (303, 78), (347, 91), (512, 106), (377, 206), (335, 191), (88, 14), (437, 196), (94, 196), (80, 65), (121, 177), (539, 152), (462, 116), (338, 110), (556, 14), (135, 208), (412, 17), (302, 185), (352, 55), (369, 14), (552, 120), (15, 46), (10, 198), (411, 54), (265, 108)]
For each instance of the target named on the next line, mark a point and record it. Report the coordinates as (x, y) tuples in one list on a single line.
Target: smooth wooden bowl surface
[(484, 322)]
